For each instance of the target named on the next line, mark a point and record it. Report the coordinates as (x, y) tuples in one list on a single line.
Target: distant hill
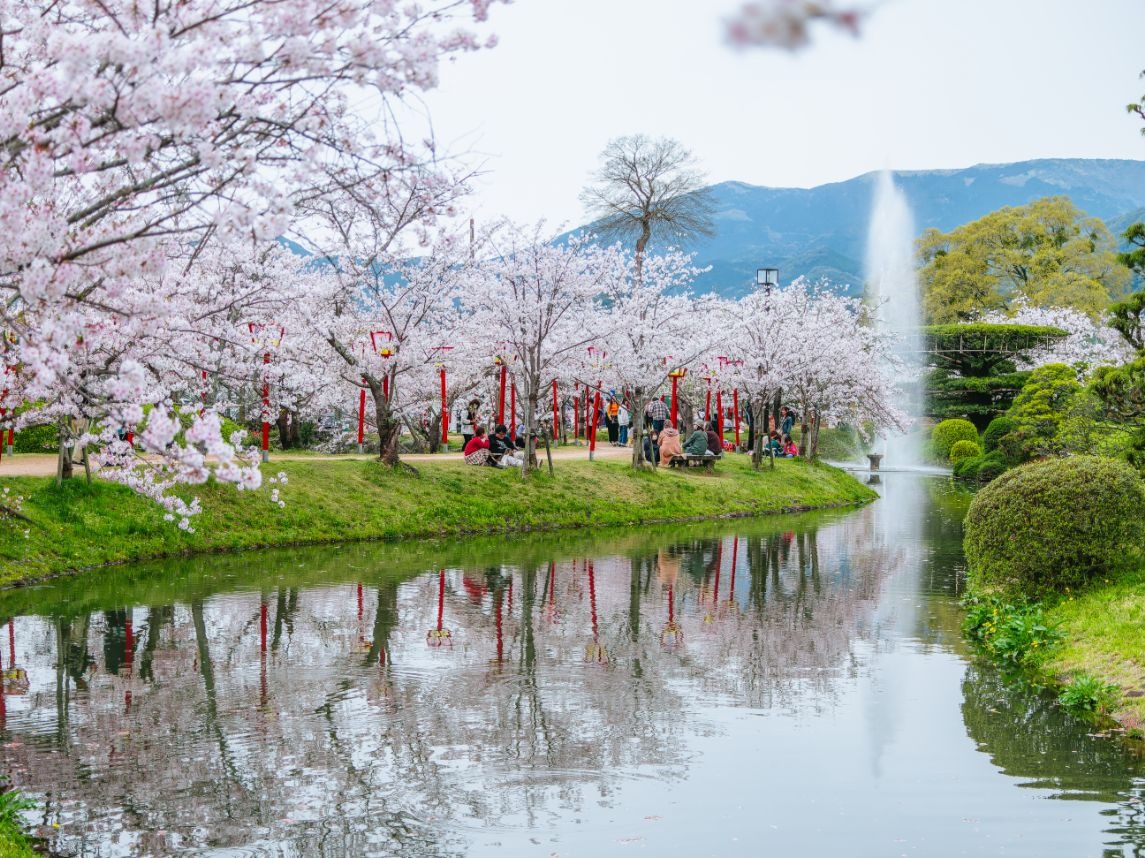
[(821, 231)]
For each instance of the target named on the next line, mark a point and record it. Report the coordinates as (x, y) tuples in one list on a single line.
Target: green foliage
[(1015, 632), (974, 373), (949, 432), (1087, 695), (13, 841), (964, 450), (36, 439), (983, 468), (1039, 412), (998, 428), (1047, 253), (1055, 525), (1128, 316)]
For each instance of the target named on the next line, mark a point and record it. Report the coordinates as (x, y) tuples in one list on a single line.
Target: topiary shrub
[(1056, 524), (949, 432), (998, 427), (964, 450)]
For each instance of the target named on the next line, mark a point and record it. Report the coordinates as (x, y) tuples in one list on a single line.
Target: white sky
[(929, 84)]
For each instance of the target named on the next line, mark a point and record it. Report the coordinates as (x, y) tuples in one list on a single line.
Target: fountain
[(893, 287)]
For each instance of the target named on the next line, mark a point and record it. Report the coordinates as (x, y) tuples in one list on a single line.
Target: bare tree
[(648, 187)]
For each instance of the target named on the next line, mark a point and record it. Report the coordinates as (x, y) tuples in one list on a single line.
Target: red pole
[(513, 410), (266, 408), (361, 418), (386, 386), (592, 430), (576, 417), (501, 399), (556, 417), (592, 599), (720, 415), (708, 405), (675, 410), (444, 411), (735, 420)]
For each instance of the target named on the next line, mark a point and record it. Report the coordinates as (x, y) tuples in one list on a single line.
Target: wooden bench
[(690, 461)]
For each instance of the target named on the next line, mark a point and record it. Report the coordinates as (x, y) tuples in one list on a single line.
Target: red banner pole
[(735, 415), (675, 410), (592, 430), (501, 399), (556, 417), (513, 410), (444, 411), (361, 419)]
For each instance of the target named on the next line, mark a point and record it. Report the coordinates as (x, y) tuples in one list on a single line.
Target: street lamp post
[(263, 334), (767, 279)]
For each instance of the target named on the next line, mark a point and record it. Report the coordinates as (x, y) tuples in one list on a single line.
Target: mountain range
[(822, 231)]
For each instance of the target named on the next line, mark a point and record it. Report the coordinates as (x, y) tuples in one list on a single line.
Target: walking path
[(44, 464)]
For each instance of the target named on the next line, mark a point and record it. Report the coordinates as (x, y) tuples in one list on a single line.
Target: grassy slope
[(1103, 629), (85, 525)]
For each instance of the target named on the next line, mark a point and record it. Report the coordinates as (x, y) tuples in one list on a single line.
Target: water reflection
[(462, 698)]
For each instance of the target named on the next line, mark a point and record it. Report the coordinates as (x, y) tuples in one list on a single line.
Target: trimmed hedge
[(949, 432), (998, 427), (964, 450), (36, 439), (1056, 524)]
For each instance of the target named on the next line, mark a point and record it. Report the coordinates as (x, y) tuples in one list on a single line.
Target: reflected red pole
[(732, 585), (359, 603), (719, 563), (556, 417), (510, 597), (735, 413), (444, 411), (497, 614), (262, 653), (552, 583), (11, 643), (592, 598), (440, 597), (671, 604)]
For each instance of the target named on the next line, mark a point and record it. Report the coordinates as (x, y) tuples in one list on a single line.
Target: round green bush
[(1055, 524), (964, 450), (949, 432), (998, 427), (989, 469)]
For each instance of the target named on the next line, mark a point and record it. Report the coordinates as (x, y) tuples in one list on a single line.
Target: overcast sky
[(928, 84)]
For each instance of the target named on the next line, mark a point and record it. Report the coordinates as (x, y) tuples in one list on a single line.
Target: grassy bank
[(78, 525), (1103, 645)]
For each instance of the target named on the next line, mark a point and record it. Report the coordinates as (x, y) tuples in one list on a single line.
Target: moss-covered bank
[(79, 526)]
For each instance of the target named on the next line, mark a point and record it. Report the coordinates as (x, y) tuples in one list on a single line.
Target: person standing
[(788, 421), (612, 420), (658, 411), (469, 422), (622, 418)]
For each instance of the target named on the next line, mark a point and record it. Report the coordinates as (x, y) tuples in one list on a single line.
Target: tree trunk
[(64, 461), (804, 433), (283, 424), (531, 398), (815, 423), (758, 414), (388, 428)]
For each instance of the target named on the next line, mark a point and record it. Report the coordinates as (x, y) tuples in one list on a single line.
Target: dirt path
[(44, 465)]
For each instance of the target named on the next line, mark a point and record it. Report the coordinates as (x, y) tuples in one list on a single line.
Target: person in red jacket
[(477, 450)]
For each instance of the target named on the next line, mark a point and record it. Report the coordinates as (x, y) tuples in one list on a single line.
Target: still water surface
[(790, 686)]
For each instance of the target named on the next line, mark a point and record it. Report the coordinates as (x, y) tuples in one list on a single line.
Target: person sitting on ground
[(697, 443), (715, 442), (670, 446), (477, 450), (789, 448), (502, 451), (774, 445), (652, 448)]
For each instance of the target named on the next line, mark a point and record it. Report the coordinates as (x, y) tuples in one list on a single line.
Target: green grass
[(1104, 640), (80, 525)]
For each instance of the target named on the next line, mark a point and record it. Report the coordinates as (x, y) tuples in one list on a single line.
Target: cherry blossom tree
[(535, 303), (786, 23), (1089, 343)]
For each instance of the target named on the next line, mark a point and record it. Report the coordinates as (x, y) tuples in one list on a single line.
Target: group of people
[(499, 451)]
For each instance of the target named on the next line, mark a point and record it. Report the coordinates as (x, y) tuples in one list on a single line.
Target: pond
[(782, 686)]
